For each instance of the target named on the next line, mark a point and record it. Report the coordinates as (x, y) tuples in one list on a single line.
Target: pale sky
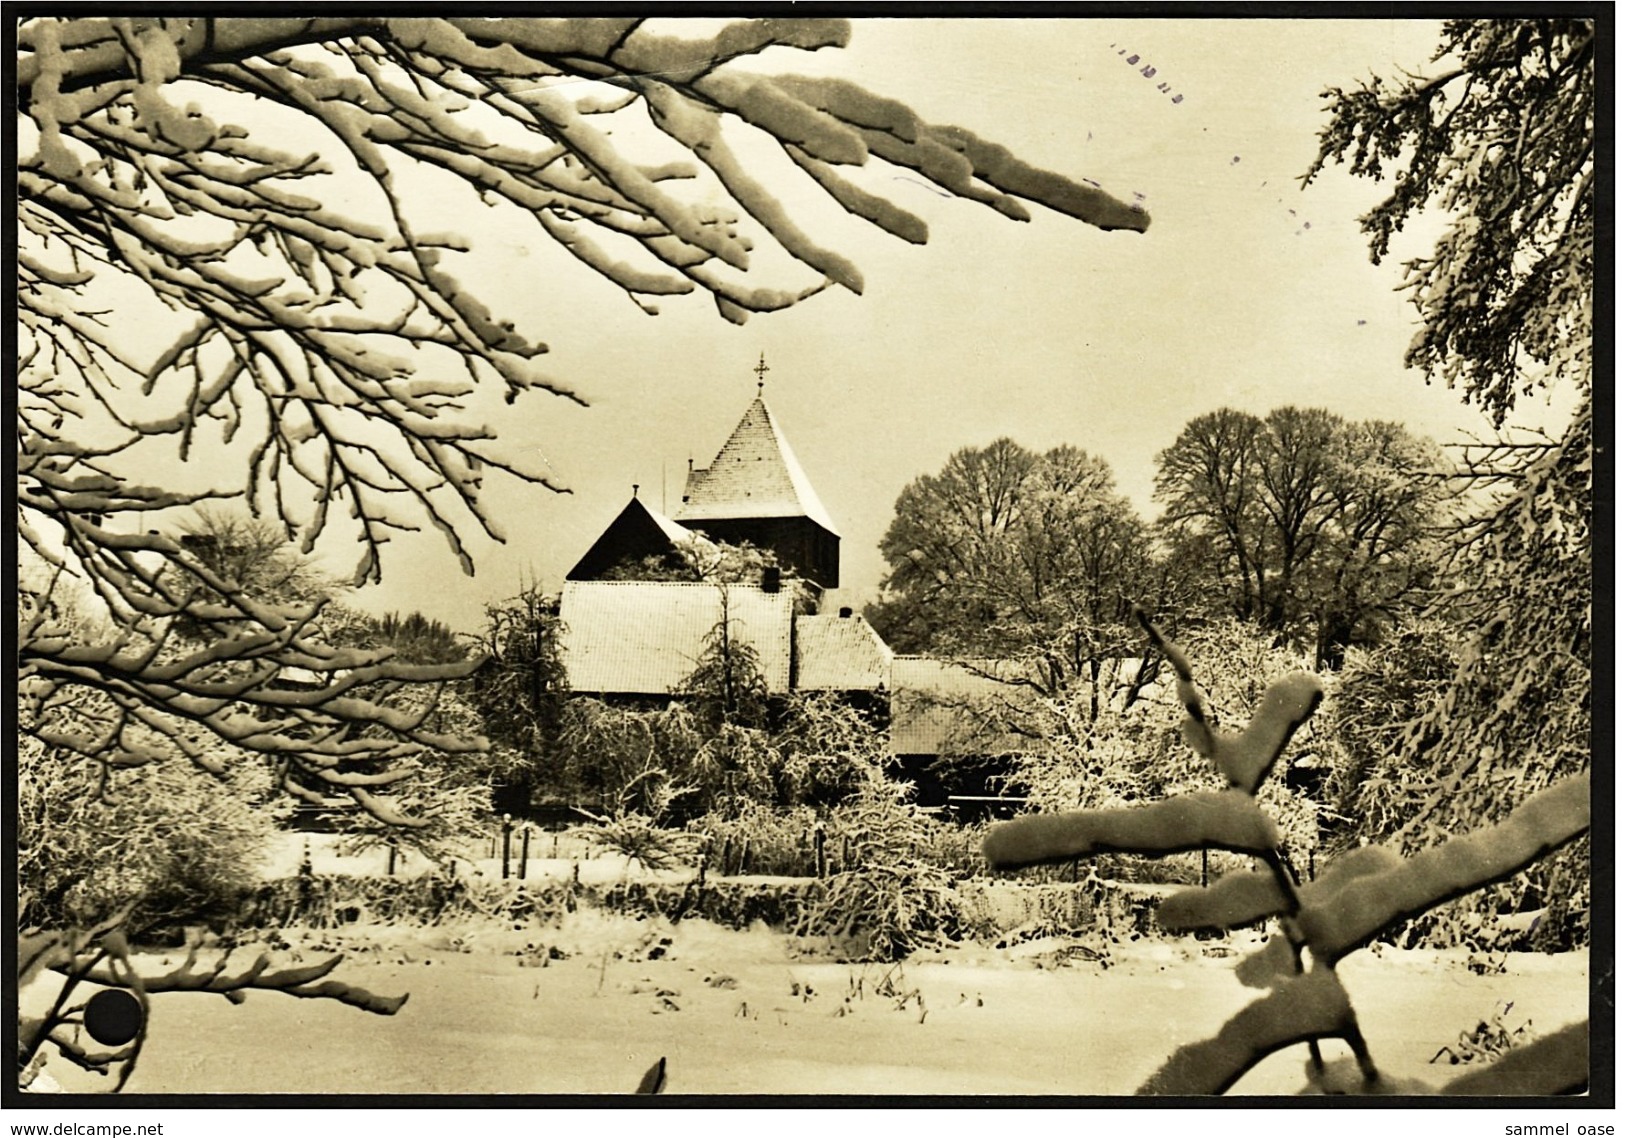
[(1245, 292)]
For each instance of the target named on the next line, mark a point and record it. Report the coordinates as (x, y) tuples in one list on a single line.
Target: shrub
[(892, 899), (1357, 897), (640, 839), (1128, 751), (758, 838), (827, 750), (173, 845), (730, 768), (109, 860)]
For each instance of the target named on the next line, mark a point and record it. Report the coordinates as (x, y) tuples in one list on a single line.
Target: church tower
[(756, 491)]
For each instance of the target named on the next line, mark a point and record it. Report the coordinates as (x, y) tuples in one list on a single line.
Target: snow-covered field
[(750, 1013)]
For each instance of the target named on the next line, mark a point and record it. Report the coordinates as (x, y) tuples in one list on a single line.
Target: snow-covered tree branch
[(1503, 143)]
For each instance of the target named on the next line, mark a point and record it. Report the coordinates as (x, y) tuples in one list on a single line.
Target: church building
[(636, 619), (634, 628), (756, 492)]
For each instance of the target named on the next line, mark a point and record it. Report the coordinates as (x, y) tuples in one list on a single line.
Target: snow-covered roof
[(645, 637), (755, 475), (637, 531), (940, 706), (679, 535), (840, 653)]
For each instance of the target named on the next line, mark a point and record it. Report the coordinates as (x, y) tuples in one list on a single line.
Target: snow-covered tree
[(727, 686), (520, 693), (1502, 140), (1007, 553), (1304, 522)]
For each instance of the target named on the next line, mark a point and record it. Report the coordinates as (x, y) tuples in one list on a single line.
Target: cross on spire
[(761, 369)]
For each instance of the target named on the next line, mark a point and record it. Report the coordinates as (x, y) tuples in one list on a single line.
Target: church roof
[(755, 475), (637, 531), (840, 653), (646, 637)]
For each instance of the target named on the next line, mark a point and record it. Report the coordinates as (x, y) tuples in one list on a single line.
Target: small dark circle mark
[(113, 1017)]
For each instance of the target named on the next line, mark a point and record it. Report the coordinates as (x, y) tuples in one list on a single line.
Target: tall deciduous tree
[(1501, 139), (1009, 553), (256, 554), (1309, 524)]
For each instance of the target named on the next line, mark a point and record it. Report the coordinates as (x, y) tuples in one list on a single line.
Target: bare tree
[(1308, 524)]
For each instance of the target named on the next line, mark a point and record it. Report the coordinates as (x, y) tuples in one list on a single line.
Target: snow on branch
[(102, 955)]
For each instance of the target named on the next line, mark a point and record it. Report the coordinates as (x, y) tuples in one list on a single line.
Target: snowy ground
[(746, 1013)]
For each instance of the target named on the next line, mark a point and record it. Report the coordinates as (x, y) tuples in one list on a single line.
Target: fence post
[(307, 876), (524, 850), (1204, 869), (819, 863), (390, 870), (507, 842)]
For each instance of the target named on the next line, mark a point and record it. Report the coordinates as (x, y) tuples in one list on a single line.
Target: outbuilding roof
[(840, 653), (943, 707)]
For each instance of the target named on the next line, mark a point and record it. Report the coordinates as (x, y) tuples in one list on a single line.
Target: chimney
[(846, 613), (770, 579)]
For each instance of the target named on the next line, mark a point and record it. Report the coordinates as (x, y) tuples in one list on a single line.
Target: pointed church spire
[(755, 491), (755, 475)]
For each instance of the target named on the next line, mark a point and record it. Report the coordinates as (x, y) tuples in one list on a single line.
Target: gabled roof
[(755, 475), (636, 532), (840, 653), (645, 637), (942, 707), (678, 535)]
